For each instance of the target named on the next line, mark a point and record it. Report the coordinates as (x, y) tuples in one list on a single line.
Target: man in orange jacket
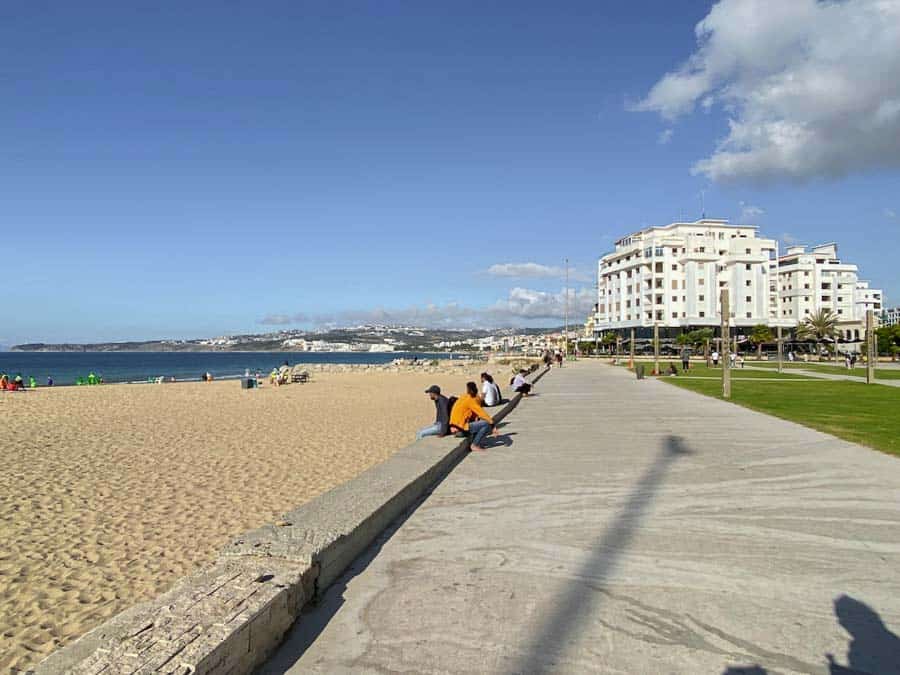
[(468, 415)]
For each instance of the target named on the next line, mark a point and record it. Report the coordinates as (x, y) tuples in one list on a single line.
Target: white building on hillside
[(671, 276), (890, 316)]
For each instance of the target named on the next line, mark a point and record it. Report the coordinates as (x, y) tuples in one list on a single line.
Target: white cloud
[(527, 269), (811, 88), (890, 213), (750, 212), (532, 270), (789, 239), (665, 136), (521, 306)]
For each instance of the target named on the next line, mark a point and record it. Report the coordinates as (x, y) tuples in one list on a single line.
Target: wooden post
[(726, 331), (706, 352), (631, 350), (780, 350), (656, 348), (871, 351)]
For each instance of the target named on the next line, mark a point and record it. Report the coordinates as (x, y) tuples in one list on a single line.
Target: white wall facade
[(671, 276)]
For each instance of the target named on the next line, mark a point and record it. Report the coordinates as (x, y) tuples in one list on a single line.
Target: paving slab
[(629, 527)]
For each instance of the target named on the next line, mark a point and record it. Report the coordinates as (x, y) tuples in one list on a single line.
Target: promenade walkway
[(629, 527)]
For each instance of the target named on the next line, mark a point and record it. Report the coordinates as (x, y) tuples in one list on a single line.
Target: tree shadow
[(573, 610), (873, 649)]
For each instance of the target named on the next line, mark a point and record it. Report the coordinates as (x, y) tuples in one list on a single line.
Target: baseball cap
[(433, 389)]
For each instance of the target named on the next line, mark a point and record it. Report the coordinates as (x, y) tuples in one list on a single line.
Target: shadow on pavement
[(561, 626), (873, 650)]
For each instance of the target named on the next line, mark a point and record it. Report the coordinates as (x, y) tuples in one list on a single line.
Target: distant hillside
[(360, 338)]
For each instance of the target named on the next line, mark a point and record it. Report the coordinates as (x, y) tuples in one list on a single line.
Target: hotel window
[(840, 311), (747, 267), (659, 283), (674, 315), (749, 315), (749, 299), (659, 299), (701, 298), (628, 303), (806, 274), (674, 284), (659, 267), (701, 282), (659, 251), (840, 299), (747, 251), (701, 249), (659, 315), (674, 298), (702, 314), (747, 283), (674, 268)]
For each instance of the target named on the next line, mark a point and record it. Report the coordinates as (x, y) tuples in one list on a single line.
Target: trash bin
[(639, 370), (248, 382)]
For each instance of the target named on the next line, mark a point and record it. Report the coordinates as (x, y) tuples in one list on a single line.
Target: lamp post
[(566, 339), (655, 348), (726, 331)]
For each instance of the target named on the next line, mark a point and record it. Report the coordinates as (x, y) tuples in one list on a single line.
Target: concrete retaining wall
[(228, 618)]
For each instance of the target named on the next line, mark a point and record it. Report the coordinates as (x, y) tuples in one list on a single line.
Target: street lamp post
[(726, 330)]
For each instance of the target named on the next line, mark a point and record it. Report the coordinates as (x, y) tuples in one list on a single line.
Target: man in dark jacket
[(441, 426)]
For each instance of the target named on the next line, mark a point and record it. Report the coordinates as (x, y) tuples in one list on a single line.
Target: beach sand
[(109, 494)]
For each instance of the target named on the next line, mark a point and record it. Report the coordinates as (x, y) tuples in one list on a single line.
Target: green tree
[(608, 340), (817, 327), (888, 340), (760, 335)]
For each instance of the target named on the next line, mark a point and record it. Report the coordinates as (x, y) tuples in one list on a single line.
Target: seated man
[(490, 392), (464, 413), (441, 426), (519, 384)]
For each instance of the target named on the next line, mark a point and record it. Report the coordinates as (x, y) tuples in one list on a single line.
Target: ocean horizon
[(136, 367)]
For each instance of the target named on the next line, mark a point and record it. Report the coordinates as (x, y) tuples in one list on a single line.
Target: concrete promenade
[(629, 527)]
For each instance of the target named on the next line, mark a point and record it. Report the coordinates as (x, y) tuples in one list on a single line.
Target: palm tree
[(608, 340), (818, 327), (760, 335)]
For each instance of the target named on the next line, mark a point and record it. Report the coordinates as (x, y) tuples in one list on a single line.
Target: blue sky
[(199, 168)]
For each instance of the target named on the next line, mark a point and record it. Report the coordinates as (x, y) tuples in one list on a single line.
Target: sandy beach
[(109, 494)]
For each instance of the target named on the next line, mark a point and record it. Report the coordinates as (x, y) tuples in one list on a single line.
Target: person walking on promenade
[(715, 357), (685, 359), (468, 415), (559, 359), (441, 426)]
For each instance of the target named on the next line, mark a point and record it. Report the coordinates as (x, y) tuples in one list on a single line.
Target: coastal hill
[(358, 338)]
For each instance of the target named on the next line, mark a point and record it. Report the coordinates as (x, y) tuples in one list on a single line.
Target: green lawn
[(700, 370), (869, 415), (859, 371)]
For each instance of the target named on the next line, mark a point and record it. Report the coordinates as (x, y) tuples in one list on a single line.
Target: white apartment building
[(672, 276), (890, 316), (816, 279)]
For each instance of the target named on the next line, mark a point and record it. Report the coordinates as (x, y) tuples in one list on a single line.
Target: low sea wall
[(229, 617)]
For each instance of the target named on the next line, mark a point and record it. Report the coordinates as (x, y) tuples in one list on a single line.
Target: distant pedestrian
[(559, 359), (685, 359), (49, 381), (732, 357), (741, 360), (715, 357)]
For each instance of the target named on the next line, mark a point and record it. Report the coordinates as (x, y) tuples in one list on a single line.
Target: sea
[(65, 367)]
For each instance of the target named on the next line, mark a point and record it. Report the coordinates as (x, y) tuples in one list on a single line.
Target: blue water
[(65, 367)]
